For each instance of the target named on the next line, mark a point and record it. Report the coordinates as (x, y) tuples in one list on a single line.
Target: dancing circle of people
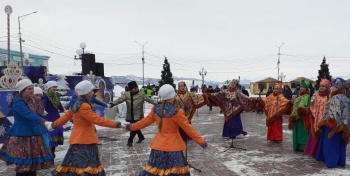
[(320, 127)]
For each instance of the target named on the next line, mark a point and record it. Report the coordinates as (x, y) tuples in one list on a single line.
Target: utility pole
[(20, 36), (278, 62), (143, 62), (202, 73), (8, 10)]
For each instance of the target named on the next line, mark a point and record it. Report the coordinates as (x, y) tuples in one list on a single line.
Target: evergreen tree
[(323, 73), (167, 76)]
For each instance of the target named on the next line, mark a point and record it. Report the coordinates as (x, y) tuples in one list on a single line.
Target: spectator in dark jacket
[(287, 92), (217, 89), (269, 91), (210, 90), (245, 92), (297, 90)]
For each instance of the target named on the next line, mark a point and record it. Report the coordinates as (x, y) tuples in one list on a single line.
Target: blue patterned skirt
[(28, 153), (81, 159), (166, 163)]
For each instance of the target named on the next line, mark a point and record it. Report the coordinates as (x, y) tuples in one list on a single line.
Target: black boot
[(31, 173), (140, 140), (53, 151)]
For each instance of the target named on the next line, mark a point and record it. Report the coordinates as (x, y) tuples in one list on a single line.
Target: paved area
[(261, 157)]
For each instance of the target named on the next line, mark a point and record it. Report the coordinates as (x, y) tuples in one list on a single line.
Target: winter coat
[(135, 110), (287, 93), (168, 138), (84, 131), (26, 123)]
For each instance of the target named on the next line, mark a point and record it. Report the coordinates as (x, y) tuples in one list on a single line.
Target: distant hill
[(128, 78)]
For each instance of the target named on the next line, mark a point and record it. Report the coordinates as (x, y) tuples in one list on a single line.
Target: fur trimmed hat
[(235, 82), (84, 87), (166, 92), (22, 84), (339, 83), (38, 90), (181, 83), (132, 84), (50, 84)]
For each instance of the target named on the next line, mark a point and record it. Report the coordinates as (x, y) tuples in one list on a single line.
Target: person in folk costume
[(53, 107), (135, 100), (334, 127), (27, 143), (233, 103), (298, 123), (82, 157), (275, 105), (166, 157), (189, 102), (38, 103), (315, 112)]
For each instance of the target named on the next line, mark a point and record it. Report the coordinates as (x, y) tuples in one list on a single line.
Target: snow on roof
[(15, 47), (268, 79), (298, 79)]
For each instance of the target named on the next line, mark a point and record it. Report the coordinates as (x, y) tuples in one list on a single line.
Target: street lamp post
[(143, 61), (20, 37), (278, 62), (202, 73)]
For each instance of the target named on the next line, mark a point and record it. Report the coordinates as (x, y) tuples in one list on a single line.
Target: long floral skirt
[(81, 159), (28, 153), (166, 163)]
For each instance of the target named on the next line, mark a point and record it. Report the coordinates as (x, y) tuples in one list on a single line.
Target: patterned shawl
[(77, 104), (232, 102), (275, 104), (338, 108), (54, 98), (189, 102), (37, 106), (317, 107)]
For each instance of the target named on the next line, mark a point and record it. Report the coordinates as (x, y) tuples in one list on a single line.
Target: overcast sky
[(228, 38)]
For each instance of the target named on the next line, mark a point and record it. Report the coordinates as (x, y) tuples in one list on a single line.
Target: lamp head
[(82, 45)]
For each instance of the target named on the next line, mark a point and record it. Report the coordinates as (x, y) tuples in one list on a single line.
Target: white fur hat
[(166, 92), (50, 84), (38, 90), (22, 84), (84, 87)]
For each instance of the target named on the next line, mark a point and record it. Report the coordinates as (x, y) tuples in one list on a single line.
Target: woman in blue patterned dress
[(27, 144)]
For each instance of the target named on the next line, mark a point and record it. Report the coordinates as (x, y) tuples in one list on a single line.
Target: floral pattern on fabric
[(232, 103), (274, 104), (54, 98), (338, 108), (81, 160), (169, 108), (317, 108), (166, 163), (190, 102), (29, 153)]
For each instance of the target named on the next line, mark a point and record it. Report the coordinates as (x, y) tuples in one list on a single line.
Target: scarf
[(77, 104), (54, 98)]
